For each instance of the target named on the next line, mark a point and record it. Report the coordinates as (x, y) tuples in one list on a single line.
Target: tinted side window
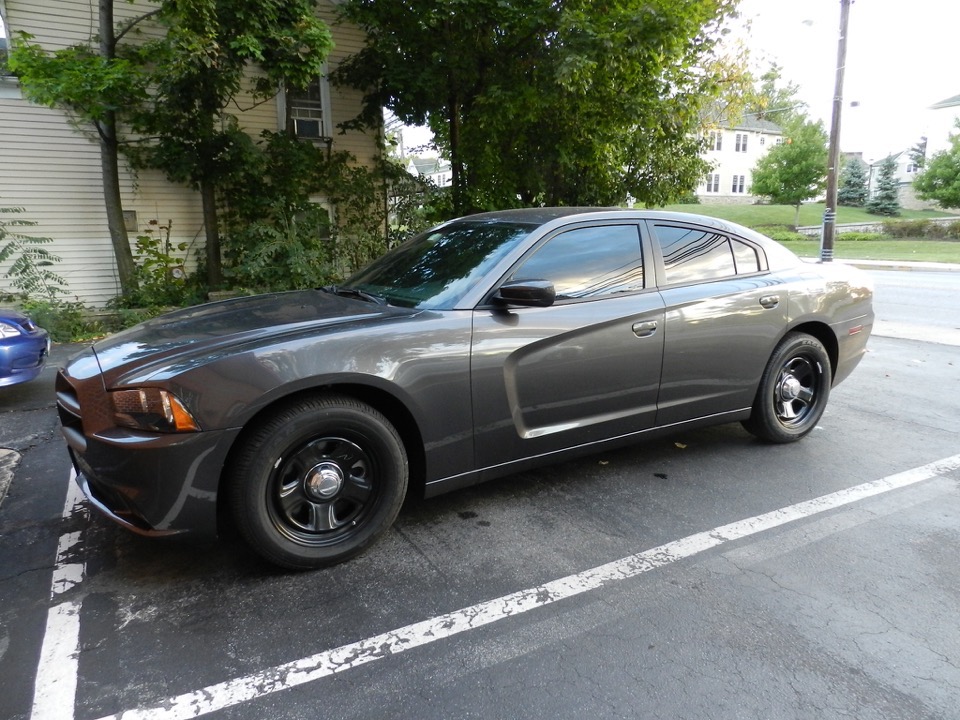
[(748, 260), (690, 255), (589, 262)]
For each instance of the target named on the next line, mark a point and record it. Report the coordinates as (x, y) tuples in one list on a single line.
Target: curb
[(894, 265)]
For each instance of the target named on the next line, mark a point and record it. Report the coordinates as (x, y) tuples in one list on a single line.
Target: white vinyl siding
[(53, 171)]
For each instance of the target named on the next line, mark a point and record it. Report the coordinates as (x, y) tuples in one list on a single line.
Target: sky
[(902, 57)]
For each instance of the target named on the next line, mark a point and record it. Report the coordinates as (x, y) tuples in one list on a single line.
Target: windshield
[(435, 270)]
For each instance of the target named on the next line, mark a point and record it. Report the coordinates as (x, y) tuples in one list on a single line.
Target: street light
[(830, 211)]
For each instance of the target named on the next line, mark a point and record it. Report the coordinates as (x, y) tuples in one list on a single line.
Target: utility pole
[(833, 163)]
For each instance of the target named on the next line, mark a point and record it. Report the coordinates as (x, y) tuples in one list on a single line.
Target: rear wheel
[(318, 482), (793, 390)]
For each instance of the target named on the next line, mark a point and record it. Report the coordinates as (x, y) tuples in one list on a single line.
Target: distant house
[(437, 171), (907, 169), (53, 172), (733, 152), (942, 123)]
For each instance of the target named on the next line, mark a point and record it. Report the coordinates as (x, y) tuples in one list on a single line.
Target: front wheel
[(793, 390), (318, 482)]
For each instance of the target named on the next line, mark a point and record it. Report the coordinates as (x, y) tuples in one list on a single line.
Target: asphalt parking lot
[(701, 576)]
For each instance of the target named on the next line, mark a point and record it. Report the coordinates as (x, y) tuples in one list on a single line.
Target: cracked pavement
[(850, 613)]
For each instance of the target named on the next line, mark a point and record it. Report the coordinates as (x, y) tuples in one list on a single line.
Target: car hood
[(209, 330)]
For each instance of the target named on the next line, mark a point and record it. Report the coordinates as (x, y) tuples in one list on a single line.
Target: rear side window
[(693, 255), (588, 262), (746, 256)]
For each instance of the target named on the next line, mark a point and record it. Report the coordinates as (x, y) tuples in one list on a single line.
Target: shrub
[(921, 229), (65, 321), (781, 233), (860, 236), (30, 263)]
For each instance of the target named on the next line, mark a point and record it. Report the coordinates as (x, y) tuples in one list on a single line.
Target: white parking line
[(55, 688), (282, 677)]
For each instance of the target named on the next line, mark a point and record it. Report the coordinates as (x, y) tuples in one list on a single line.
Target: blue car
[(24, 348)]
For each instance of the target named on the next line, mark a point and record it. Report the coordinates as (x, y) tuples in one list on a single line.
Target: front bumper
[(22, 359), (150, 483)]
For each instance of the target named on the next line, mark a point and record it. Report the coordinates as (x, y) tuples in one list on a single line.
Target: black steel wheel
[(793, 390), (317, 482)]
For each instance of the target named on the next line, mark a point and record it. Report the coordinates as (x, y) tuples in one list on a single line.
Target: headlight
[(151, 409), (8, 331)]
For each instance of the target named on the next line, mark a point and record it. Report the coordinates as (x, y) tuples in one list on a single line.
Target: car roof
[(544, 215)]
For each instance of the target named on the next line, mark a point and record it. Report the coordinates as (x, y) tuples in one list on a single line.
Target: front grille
[(68, 404), (83, 405)]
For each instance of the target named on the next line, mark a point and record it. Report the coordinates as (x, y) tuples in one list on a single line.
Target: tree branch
[(131, 24)]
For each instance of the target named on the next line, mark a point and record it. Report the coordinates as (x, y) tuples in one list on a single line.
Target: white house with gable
[(733, 152)]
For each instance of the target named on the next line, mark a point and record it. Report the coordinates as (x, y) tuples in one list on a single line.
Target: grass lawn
[(812, 214), (899, 250)]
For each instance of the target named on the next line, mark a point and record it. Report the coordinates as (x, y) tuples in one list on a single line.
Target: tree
[(198, 68), (91, 82), (774, 101), (530, 101), (918, 153), (173, 92), (940, 179), (886, 197), (853, 190), (795, 170)]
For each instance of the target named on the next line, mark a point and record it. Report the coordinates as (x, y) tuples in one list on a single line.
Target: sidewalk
[(894, 265)]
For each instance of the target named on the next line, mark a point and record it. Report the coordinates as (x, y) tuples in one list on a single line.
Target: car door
[(585, 368), (724, 313)]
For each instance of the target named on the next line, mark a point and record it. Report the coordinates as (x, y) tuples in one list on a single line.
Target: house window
[(738, 183), (741, 142), (912, 167), (4, 42), (763, 140), (713, 182), (780, 141), (308, 111), (716, 141)]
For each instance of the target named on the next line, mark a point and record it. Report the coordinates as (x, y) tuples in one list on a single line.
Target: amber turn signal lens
[(151, 409)]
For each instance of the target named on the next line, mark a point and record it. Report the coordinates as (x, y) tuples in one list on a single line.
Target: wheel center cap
[(324, 480), (789, 388)]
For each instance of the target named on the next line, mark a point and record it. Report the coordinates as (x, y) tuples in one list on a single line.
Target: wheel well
[(827, 338), (394, 410)]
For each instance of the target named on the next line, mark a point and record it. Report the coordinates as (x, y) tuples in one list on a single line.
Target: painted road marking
[(289, 675), (55, 688), (330, 662)]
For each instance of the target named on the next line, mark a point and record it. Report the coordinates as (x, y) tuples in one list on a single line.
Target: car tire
[(793, 391), (317, 482)]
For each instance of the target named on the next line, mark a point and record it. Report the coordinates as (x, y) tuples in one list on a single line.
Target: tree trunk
[(456, 162), (796, 217), (110, 165), (208, 192)]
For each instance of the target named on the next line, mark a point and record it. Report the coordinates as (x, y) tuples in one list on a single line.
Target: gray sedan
[(487, 345)]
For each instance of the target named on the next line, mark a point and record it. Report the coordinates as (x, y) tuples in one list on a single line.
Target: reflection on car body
[(487, 345)]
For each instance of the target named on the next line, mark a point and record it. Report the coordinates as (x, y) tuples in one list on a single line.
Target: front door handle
[(645, 329), (770, 301)]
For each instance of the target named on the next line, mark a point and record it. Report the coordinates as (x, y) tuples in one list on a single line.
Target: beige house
[(733, 151), (52, 171)]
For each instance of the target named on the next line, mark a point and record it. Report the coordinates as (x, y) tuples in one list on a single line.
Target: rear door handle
[(770, 301), (645, 329)]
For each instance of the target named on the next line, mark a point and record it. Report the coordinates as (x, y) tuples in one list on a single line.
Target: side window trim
[(656, 265), (645, 247)]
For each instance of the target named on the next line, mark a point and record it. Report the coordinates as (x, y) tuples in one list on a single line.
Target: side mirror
[(531, 293)]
